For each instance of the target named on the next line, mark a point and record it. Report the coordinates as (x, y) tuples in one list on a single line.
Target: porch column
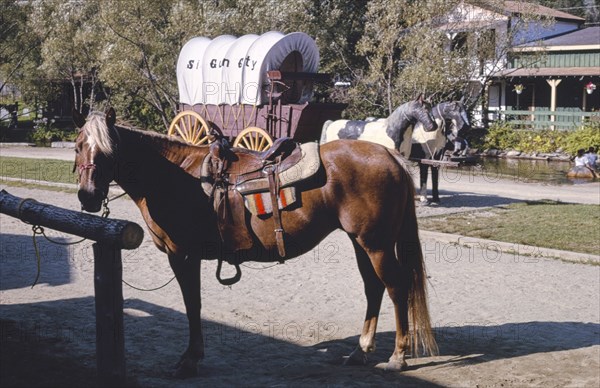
[(553, 84)]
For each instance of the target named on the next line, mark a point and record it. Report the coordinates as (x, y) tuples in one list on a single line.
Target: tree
[(19, 50), (399, 39), (390, 50), (431, 47), (139, 55), (70, 48)]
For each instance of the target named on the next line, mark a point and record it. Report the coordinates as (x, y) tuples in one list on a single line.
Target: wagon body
[(257, 86), (303, 122)]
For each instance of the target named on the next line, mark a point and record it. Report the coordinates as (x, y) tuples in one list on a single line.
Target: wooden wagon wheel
[(253, 138), (191, 127)]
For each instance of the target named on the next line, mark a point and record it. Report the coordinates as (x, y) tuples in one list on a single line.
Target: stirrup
[(232, 280)]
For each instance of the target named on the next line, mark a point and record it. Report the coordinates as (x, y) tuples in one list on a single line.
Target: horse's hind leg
[(187, 272), (374, 292), (396, 282)]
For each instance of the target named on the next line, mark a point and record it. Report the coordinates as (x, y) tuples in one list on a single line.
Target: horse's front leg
[(435, 179), (187, 271), (423, 172)]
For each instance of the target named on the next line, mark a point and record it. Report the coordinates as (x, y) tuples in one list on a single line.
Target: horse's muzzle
[(91, 201)]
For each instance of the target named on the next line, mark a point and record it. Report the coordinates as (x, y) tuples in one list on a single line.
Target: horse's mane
[(99, 135), (398, 114)]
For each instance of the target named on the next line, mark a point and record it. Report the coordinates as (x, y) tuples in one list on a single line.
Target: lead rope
[(39, 230), (105, 214)]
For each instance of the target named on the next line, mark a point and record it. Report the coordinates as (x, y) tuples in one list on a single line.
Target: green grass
[(49, 170), (548, 224)]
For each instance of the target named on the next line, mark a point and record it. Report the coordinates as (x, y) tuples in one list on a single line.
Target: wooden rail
[(545, 119), (111, 236)]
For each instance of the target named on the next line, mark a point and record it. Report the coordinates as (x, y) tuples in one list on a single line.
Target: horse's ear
[(111, 117), (78, 118), (419, 98)]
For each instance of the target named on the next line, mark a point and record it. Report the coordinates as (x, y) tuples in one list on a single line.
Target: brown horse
[(372, 202)]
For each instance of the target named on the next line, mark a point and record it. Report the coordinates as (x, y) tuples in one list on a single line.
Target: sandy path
[(500, 320)]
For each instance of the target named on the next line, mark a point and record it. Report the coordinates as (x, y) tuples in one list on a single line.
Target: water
[(552, 172)]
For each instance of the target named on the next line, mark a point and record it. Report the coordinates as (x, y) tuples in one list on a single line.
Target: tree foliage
[(390, 50), (19, 49)]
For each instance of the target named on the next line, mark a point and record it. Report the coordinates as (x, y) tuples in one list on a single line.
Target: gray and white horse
[(451, 118), (394, 132)]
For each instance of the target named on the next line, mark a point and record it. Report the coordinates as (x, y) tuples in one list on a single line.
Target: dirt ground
[(500, 319)]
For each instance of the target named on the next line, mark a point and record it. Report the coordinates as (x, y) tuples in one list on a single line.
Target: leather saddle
[(230, 173)]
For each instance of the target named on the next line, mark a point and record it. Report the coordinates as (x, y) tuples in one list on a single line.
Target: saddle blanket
[(260, 203)]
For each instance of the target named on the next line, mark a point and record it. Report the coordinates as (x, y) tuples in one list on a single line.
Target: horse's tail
[(408, 248), (324, 132)]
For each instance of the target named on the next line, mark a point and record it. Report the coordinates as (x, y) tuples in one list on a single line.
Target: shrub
[(44, 132), (502, 136), (540, 141), (588, 136)]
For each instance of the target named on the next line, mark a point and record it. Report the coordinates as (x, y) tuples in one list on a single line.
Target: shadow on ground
[(462, 200), (18, 261), (46, 344)]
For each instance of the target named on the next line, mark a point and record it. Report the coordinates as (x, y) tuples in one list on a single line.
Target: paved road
[(464, 181), (37, 152)]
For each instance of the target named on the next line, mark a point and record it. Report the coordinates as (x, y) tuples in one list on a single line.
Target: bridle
[(89, 166)]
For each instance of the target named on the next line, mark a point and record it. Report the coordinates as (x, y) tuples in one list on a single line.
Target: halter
[(89, 166)]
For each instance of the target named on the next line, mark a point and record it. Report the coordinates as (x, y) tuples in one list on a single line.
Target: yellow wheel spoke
[(246, 143), (253, 138), (190, 127), (261, 146)]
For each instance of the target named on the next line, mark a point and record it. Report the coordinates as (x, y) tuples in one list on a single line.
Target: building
[(529, 57), (564, 78)]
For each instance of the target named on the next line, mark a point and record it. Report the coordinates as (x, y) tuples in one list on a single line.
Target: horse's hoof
[(186, 368), (435, 202), (357, 357), (423, 199), (396, 366)]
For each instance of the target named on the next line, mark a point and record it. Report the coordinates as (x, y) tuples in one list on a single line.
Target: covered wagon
[(252, 89)]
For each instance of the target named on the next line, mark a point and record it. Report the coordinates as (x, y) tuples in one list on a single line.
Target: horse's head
[(94, 157), (455, 112), (419, 110)]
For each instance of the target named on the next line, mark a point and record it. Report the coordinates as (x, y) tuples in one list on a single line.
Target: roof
[(507, 9), (584, 38), (518, 7), (549, 72)]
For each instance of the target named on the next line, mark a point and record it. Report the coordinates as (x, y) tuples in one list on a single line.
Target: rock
[(513, 154), (581, 172)]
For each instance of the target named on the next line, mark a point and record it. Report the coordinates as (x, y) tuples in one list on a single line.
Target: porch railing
[(564, 119)]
